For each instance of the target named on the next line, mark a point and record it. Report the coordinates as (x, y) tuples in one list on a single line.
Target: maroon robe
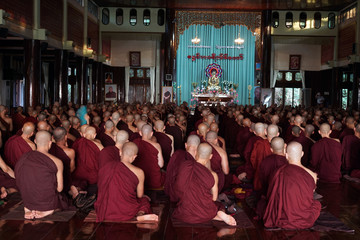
[(350, 153), (166, 145), (291, 203), (108, 154), (6, 181), (242, 138), (176, 132), (59, 153), (97, 129), (117, 200), (87, 165), (216, 167), (198, 122), (261, 150), (335, 134), (18, 121), (15, 147), (247, 167), (69, 142), (231, 130), (147, 160), (134, 136), (194, 183), (74, 132), (346, 132), (326, 160), (36, 178), (288, 134), (105, 139), (126, 128), (31, 119), (306, 144)]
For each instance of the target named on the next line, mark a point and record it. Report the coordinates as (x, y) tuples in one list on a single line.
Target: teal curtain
[(237, 71)]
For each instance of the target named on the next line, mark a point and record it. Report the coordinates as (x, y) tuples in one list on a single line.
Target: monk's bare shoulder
[(56, 160), (335, 139), (312, 174), (99, 145), (70, 152), (137, 171), (31, 144), (170, 136)]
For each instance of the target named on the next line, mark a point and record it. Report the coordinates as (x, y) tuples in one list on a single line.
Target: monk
[(106, 138), (261, 150), (150, 158), (136, 134), (128, 126), (219, 160), (202, 130), (174, 130), (96, 124), (291, 203), (221, 141), (70, 138), (18, 118), (305, 142), (336, 130), (16, 146), (75, 125), (349, 129), (197, 190), (60, 150), (7, 180), (243, 136), (351, 151), (326, 156), (111, 153), (121, 190), (165, 140), (43, 126), (87, 165), (175, 162), (246, 172), (40, 180)]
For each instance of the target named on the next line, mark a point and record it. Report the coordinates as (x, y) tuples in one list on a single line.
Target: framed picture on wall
[(135, 59), (110, 92), (294, 62), (108, 77), (166, 95)]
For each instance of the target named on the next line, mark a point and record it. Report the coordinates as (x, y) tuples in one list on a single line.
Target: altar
[(208, 99)]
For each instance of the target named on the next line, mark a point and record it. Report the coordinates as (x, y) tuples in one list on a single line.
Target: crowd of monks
[(59, 159)]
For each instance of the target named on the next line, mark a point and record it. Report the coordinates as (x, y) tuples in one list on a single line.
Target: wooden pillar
[(266, 48), (79, 79), (32, 53), (64, 79)]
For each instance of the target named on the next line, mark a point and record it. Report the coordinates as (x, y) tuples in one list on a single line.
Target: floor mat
[(328, 222)]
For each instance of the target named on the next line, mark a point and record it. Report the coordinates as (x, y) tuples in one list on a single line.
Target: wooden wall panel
[(75, 26), (346, 40), (106, 47), (21, 11), (51, 17), (327, 51), (93, 33)]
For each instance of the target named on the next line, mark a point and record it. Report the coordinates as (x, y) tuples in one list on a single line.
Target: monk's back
[(15, 147), (36, 178)]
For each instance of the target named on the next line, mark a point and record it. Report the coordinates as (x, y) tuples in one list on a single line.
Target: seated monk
[(326, 156), (246, 172), (106, 138), (65, 154), (202, 130), (70, 138), (221, 141), (43, 126), (175, 162), (40, 180), (74, 129), (336, 130), (96, 124), (261, 150), (18, 118), (87, 149), (243, 136), (349, 129), (351, 151), (197, 190), (128, 126), (291, 201), (305, 142), (112, 153), (7, 180), (136, 134), (150, 158), (174, 130), (165, 140), (121, 190), (219, 161), (16, 146)]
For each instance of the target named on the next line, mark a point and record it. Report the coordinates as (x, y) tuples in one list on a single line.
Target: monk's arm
[(225, 163), (140, 186), (72, 160), (59, 174), (214, 189), (160, 156), (172, 144), (1, 143), (11, 125), (6, 168)]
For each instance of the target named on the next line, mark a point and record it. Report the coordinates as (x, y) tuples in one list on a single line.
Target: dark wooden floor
[(342, 200)]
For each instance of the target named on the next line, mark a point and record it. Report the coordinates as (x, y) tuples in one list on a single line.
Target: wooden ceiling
[(247, 5)]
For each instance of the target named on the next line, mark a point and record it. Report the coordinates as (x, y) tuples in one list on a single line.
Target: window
[(93, 8), (331, 20), (347, 14), (161, 17), (105, 16), (288, 88), (303, 18), (119, 16), (289, 20), (317, 20), (146, 16), (133, 17), (275, 19), (346, 89)]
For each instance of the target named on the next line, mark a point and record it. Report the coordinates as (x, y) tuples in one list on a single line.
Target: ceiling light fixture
[(195, 40), (239, 40)]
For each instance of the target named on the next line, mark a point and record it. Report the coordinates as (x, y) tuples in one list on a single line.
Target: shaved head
[(59, 134), (357, 128), (259, 128), (28, 128), (66, 124), (83, 128), (277, 145), (204, 151), (42, 126), (140, 124), (115, 116), (350, 121), (42, 139), (337, 125), (193, 140), (90, 130), (247, 122), (146, 130), (159, 125), (203, 128), (109, 125), (211, 136), (97, 120), (298, 120), (296, 130), (129, 150), (129, 118), (325, 128), (121, 137), (294, 152), (309, 129), (214, 127), (272, 131)]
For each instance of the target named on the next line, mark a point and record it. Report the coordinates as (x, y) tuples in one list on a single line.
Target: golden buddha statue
[(213, 82)]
